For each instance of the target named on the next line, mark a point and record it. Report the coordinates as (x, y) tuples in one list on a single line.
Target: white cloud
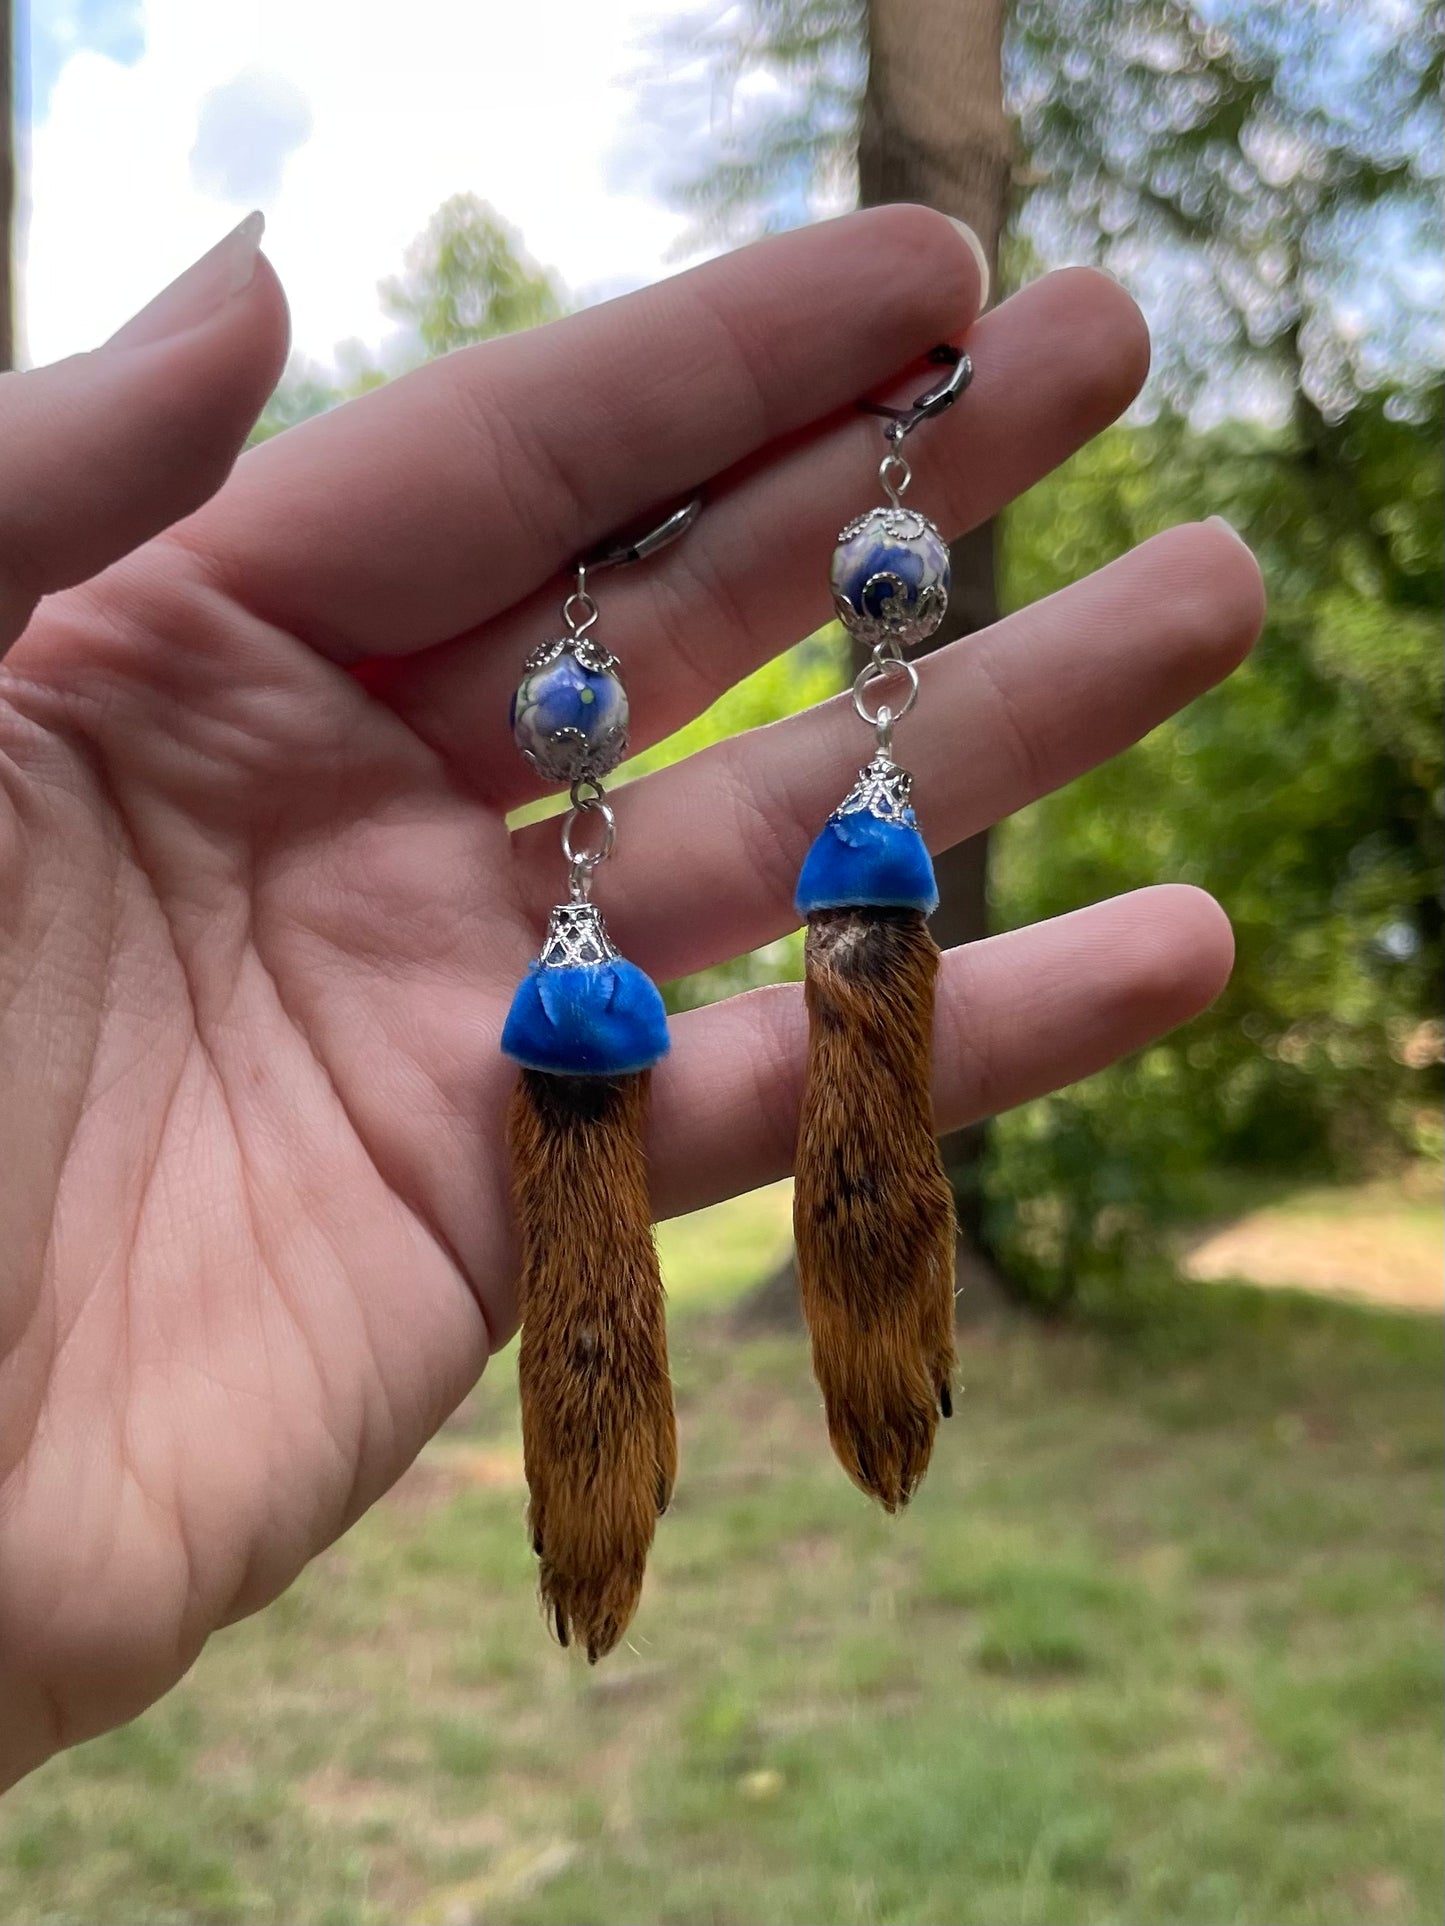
[(54, 32), (520, 105), (245, 132)]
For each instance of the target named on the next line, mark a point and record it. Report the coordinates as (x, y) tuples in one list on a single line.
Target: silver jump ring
[(585, 859), (879, 670)]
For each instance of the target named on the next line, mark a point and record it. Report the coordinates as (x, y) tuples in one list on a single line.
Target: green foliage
[(1306, 793), (764, 102), (305, 390), (469, 278), (807, 673), (1264, 176)]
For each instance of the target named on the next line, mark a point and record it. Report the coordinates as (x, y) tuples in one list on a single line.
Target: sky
[(157, 124)]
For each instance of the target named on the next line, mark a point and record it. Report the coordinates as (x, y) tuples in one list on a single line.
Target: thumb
[(102, 451)]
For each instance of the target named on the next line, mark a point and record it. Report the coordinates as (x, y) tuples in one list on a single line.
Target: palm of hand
[(264, 914), (254, 1096)]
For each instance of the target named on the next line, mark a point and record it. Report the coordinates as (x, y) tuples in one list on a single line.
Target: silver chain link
[(588, 799), (895, 475), (882, 720)]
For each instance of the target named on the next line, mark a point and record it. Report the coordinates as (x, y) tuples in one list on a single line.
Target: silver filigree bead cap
[(576, 938), (882, 789), (890, 577), (569, 715)]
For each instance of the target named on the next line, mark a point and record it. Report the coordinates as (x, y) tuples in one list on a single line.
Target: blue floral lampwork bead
[(890, 577), (569, 715)]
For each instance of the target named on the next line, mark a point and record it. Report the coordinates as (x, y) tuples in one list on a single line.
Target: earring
[(586, 1026), (873, 1210)]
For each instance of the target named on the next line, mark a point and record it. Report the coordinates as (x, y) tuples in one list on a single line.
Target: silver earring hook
[(620, 553), (933, 401), (579, 611)]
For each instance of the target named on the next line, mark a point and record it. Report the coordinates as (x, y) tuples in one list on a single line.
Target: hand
[(263, 916)]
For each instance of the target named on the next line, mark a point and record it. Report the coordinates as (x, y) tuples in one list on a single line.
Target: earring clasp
[(932, 401), (619, 554)]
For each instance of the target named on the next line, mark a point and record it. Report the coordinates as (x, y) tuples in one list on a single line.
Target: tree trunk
[(7, 185), (935, 132)]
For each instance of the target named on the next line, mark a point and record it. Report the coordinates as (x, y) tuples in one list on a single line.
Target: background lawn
[(1159, 1641)]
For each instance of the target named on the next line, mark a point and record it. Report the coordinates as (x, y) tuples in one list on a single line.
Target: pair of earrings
[(873, 1212)]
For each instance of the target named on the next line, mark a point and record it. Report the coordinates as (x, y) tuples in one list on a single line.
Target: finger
[(708, 851), (102, 451), (1018, 1015), (1053, 366), (439, 500)]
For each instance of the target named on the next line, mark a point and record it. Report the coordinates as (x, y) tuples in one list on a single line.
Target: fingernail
[(1220, 522), (195, 296), (975, 248)]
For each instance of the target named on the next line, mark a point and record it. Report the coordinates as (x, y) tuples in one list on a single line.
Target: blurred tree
[(934, 131), (1306, 792), (469, 278), (1264, 175), (304, 390), (1265, 178), (1270, 190), (764, 101)]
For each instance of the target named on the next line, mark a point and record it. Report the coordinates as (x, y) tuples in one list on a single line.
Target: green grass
[(1380, 1240), (1157, 1643), (708, 1257)]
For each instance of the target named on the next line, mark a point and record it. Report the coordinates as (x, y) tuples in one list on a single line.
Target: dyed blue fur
[(863, 860), (598, 1020)]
